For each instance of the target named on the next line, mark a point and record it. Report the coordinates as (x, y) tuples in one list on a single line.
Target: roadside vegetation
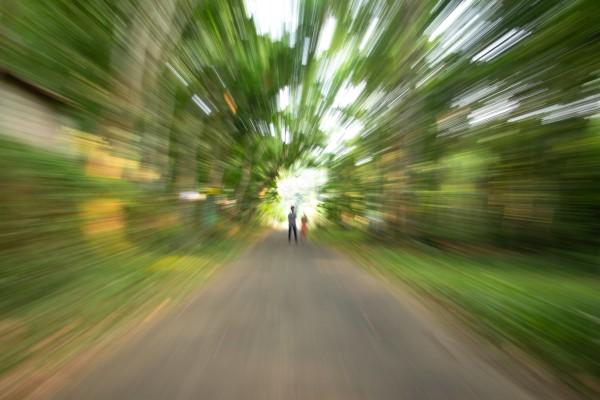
[(475, 128), (538, 306), (85, 260)]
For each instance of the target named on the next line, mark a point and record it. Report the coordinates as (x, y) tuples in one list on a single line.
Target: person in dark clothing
[(292, 225)]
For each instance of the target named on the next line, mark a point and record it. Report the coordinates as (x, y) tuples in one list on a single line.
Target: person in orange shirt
[(304, 229)]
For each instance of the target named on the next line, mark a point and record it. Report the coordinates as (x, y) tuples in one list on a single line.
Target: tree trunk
[(245, 180)]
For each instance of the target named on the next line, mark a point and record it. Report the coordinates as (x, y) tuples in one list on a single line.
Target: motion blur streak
[(142, 142)]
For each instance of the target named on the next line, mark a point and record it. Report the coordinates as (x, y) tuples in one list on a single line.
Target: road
[(293, 322)]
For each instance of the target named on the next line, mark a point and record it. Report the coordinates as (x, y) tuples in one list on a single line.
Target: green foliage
[(535, 304), (271, 209), (477, 147), (64, 287), (485, 134)]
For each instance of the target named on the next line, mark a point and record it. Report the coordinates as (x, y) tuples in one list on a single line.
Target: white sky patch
[(296, 99), (328, 66), (363, 161), (331, 120), (429, 76), (279, 130), (455, 40), (218, 76), (285, 137), (348, 94), (464, 37), (499, 46), (438, 4), (492, 111), (201, 104), (174, 71), (344, 151), (536, 113), (274, 18), (305, 51), (331, 124), (283, 98), (450, 19), (375, 100), (476, 95), (581, 108), (369, 33), (326, 35), (188, 195), (397, 96)]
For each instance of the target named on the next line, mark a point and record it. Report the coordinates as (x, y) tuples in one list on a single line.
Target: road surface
[(293, 322)]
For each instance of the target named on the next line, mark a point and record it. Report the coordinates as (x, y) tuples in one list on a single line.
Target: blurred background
[(144, 142)]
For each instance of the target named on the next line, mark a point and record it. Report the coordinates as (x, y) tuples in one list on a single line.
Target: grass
[(65, 285), (85, 294), (542, 307)]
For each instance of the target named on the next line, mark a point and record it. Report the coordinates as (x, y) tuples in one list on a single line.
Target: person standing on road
[(292, 225), (304, 229)]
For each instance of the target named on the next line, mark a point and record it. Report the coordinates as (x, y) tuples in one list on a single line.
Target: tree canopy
[(434, 117)]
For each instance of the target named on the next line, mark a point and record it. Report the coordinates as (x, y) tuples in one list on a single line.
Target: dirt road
[(293, 322)]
